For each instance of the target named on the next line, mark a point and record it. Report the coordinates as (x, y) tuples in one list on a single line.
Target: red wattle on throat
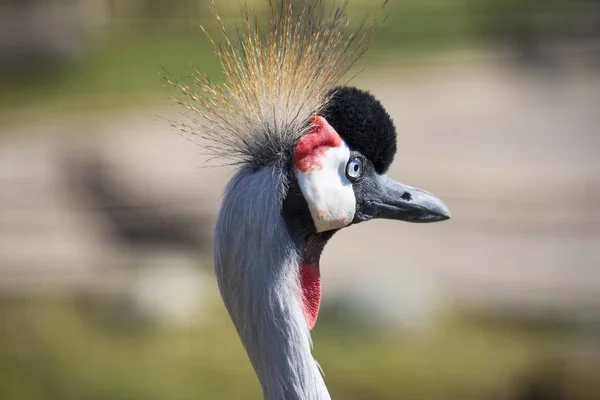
[(310, 281)]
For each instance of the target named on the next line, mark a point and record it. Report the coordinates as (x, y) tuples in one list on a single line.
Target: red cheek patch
[(312, 146), (310, 281)]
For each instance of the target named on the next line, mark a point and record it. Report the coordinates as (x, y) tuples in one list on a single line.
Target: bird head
[(340, 166), (312, 159)]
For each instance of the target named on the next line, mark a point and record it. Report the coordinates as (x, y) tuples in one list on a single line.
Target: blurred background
[(106, 213)]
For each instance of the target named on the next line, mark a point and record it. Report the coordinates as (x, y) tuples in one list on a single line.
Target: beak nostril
[(406, 196)]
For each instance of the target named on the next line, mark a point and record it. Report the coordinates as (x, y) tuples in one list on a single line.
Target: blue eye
[(355, 168)]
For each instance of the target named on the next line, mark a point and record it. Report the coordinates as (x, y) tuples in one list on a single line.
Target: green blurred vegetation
[(122, 70), (121, 67), (501, 20), (56, 349)]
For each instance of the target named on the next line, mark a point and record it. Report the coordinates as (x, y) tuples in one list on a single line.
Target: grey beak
[(386, 198)]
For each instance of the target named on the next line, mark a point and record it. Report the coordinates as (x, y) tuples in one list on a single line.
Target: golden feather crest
[(276, 77)]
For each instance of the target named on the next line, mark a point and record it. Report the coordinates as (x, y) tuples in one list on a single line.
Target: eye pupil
[(355, 167)]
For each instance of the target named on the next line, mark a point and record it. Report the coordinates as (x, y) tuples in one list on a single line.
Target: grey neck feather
[(257, 268)]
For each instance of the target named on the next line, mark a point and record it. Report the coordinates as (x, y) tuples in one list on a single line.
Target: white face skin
[(320, 165)]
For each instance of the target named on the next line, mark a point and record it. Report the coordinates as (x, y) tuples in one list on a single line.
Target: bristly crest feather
[(275, 79)]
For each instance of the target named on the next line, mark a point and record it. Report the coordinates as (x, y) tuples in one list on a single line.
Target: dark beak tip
[(445, 215), (439, 212), (432, 218)]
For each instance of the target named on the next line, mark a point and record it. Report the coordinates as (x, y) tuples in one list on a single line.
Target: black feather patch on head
[(363, 123)]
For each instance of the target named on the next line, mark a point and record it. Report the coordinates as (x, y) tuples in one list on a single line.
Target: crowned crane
[(311, 159)]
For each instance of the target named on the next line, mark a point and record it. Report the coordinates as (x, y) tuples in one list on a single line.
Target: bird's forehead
[(312, 147)]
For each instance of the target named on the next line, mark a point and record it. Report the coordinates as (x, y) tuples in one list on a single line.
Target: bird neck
[(259, 270)]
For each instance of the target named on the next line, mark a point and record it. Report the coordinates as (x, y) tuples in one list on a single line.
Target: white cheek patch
[(328, 191)]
